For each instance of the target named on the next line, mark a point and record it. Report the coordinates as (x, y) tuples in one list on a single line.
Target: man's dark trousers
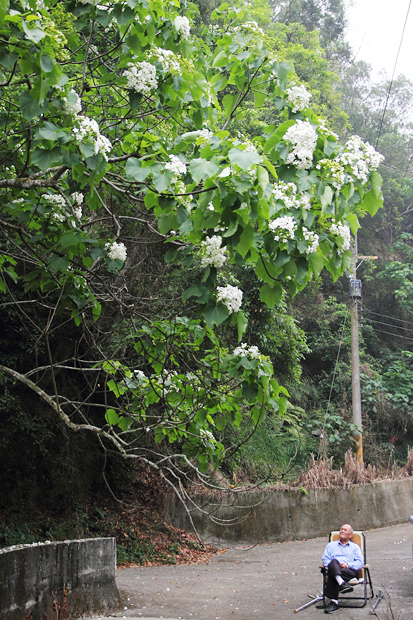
[(334, 569)]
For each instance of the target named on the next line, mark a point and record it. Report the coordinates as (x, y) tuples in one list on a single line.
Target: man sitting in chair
[(343, 560)]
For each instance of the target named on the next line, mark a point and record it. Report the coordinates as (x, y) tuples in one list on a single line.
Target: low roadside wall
[(277, 516), (42, 580)]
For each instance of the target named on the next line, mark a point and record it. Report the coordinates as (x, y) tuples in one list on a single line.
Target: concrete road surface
[(266, 582)]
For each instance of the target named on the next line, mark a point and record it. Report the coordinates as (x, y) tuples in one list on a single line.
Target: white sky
[(374, 31)]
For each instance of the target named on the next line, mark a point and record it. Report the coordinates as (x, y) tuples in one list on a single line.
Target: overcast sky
[(374, 32)]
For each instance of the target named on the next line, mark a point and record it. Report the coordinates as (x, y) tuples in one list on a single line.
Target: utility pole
[(355, 296)]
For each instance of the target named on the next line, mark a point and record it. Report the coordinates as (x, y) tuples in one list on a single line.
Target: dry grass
[(321, 474)]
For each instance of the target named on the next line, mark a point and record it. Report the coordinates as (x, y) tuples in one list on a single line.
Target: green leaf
[(229, 102), (112, 417), (271, 295), (216, 315), (353, 221), (244, 159), (316, 262), (202, 169), (45, 159), (58, 263), (326, 198), (134, 170), (376, 183), (46, 63), (242, 324), (30, 108), (8, 60), (70, 238), (372, 203), (48, 131), (33, 34), (246, 241), (162, 180)]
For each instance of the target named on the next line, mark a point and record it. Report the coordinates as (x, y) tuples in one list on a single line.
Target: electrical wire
[(389, 324), (334, 375), (392, 77), (380, 331), (386, 316)]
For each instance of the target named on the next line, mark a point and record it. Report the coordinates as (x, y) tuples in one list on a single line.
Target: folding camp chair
[(364, 580)]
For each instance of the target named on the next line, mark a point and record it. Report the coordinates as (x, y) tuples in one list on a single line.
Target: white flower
[(141, 77), (140, 375), (312, 238), (333, 171), (72, 104), (231, 297), (361, 157), (205, 135), (77, 198), (207, 437), (211, 252), (182, 26), (287, 193), (167, 59), (177, 167), (251, 26), (343, 231), (303, 137), (116, 251), (285, 228), (78, 213), (89, 129), (298, 98), (245, 351)]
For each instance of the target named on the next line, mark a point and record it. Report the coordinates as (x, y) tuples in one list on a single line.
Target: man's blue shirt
[(349, 553)]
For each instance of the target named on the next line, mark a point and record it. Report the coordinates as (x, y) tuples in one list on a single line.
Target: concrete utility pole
[(355, 296)]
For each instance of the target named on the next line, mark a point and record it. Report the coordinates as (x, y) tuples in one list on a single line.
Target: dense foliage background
[(170, 305)]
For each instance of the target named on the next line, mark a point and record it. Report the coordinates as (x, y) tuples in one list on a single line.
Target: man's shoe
[(331, 608), (344, 588)]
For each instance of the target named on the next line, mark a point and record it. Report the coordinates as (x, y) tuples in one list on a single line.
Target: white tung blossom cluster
[(303, 138), (186, 201), (116, 251), (141, 77), (176, 166), (287, 193), (298, 98), (182, 26), (361, 157), (204, 135), (333, 171), (252, 27), (89, 129), (212, 253), (284, 227), (167, 59), (207, 437), (312, 239), (230, 296), (72, 104), (343, 231), (244, 350), (61, 208), (59, 213)]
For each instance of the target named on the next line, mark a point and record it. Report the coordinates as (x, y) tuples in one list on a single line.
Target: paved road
[(266, 582)]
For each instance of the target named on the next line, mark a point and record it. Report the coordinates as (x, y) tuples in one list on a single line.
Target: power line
[(389, 325), (392, 77), (386, 316)]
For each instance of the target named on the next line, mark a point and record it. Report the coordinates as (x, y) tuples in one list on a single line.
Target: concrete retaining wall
[(277, 516), (79, 574)]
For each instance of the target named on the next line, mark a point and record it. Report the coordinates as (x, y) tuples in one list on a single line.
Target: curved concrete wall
[(35, 577), (277, 516)]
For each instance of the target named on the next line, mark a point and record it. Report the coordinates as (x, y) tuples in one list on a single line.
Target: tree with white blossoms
[(116, 126)]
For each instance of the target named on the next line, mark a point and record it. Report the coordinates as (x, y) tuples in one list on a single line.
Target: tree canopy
[(124, 158)]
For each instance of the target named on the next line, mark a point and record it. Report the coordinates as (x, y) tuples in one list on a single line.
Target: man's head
[(346, 532)]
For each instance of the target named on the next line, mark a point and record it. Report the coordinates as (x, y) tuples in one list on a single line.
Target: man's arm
[(358, 561), (327, 556)]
